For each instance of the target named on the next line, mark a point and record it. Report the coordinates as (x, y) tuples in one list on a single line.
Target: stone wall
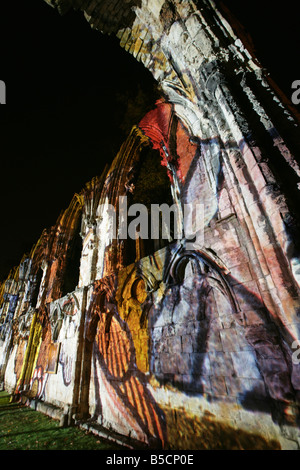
[(172, 343)]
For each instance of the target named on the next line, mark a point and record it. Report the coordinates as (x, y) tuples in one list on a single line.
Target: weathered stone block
[(182, 310), (193, 57), (193, 25), (184, 363), (249, 296), (196, 383), (218, 386), (257, 317), (201, 339), (203, 43), (201, 364), (168, 364), (213, 341), (230, 340), (187, 344), (221, 364), (174, 345), (246, 388), (228, 321), (240, 274), (245, 365)]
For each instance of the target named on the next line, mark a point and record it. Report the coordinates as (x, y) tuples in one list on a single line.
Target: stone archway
[(211, 78), (195, 57)]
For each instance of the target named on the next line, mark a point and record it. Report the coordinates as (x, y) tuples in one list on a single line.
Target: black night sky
[(72, 97)]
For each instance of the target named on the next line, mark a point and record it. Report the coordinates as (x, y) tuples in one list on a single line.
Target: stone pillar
[(259, 198)]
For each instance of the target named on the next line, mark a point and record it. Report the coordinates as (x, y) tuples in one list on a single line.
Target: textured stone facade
[(171, 346)]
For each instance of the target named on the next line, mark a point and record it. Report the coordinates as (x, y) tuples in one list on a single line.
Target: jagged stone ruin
[(164, 344)]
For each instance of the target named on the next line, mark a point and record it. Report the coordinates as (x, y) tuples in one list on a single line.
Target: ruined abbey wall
[(170, 343)]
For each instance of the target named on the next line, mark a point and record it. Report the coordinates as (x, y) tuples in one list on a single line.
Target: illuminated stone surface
[(173, 347)]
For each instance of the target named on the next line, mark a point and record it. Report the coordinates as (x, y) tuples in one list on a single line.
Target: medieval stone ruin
[(159, 341)]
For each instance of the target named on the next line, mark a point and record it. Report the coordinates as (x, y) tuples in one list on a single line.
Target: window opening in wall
[(151, 186), (39, 277), (71, 276)]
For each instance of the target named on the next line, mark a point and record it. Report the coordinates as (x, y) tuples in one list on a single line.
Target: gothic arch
[(191, 311), (205, 68), (205, 264)]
